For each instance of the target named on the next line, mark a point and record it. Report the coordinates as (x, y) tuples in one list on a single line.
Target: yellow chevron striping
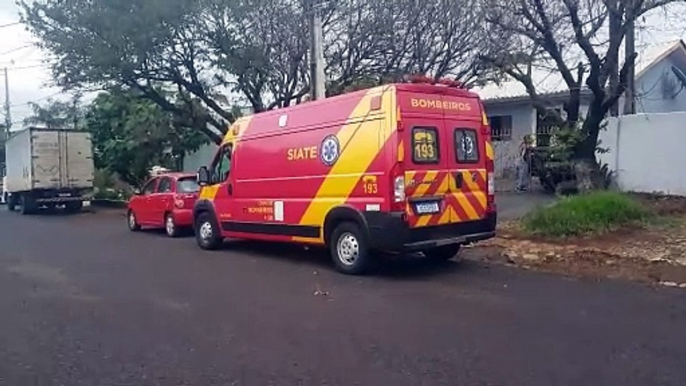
[(445, 217), (474, 188), (423, 221), (423, 188), (361, 142), (464, 203), (489, 151)]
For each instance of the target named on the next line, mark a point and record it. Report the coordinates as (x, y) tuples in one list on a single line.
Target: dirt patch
[(651, 254)]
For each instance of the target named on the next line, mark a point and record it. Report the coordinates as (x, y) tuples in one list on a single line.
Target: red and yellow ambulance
[(401, 167)]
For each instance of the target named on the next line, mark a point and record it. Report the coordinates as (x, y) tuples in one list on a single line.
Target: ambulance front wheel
[(207, 233), (349, 249)]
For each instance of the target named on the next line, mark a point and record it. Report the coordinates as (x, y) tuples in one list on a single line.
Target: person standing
[(524, 164)]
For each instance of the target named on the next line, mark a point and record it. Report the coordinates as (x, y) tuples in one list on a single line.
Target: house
[(658, 90)]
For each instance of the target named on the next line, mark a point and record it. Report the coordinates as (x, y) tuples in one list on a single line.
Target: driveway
[(512, 206), (85, 302)]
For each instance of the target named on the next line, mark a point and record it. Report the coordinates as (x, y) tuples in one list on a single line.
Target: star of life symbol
[(467, 144), (331, 150)]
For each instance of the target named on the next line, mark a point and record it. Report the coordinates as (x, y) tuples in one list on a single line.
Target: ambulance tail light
[(490, 178), (399, 190)]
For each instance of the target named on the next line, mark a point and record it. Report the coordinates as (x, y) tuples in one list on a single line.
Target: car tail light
[(179, 203)]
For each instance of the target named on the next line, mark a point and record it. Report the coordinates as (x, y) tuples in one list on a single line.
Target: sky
[(30, 79)]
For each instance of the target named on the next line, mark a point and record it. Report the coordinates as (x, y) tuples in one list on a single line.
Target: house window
[(501, 127)]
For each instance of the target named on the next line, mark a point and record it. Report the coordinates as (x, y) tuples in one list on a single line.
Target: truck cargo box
[(46, 159)]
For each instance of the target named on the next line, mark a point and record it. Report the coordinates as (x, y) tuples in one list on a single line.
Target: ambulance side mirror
[(203, 176)]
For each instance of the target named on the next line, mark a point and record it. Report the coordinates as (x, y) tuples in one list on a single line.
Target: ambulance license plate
[(427, 208)]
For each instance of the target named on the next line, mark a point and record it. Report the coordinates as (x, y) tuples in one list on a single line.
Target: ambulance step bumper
[(388, 232)]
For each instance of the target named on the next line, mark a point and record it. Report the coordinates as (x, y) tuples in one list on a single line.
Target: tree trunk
[(586, 168)]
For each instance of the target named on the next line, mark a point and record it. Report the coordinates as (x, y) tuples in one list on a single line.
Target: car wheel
[(207, 233), (443, 253), (349, 249), (132, 222), (170, 226)]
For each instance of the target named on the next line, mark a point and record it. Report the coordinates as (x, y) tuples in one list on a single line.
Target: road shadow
[(389, 266)]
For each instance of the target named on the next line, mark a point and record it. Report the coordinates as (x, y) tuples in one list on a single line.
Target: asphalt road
[(84, 302)]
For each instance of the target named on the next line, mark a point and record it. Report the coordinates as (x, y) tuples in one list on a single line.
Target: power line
[(10, 24), (44, 65), (38, 100), (16, 49)]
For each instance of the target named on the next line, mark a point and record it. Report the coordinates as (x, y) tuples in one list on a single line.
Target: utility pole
[(317, 86), (8, 116), (630, 47)]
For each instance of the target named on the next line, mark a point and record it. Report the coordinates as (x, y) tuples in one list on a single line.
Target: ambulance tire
[(443, 253), (350, 250), (207, 232)]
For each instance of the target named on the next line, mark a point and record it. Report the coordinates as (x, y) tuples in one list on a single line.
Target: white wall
[(523, 123), (647, 152)]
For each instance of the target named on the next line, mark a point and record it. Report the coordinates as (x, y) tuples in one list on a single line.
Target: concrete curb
[(103, 203)]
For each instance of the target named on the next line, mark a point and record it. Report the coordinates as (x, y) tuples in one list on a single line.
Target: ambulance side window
[(222, 165)]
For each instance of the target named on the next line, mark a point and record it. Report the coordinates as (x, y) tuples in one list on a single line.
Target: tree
[(198, 49), (55, 114), (569, 38), (131, 43), (131, 134)]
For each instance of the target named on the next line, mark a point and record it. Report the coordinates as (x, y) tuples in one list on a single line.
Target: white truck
[(49, 168)]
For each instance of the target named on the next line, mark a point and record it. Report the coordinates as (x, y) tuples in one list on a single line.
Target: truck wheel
[(207, 233), (28, 204), (73, 206), (349, 249), (170, 226), (11, 203), (443, 253), (132, 222)]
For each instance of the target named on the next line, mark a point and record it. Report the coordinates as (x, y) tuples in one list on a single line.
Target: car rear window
[(466, 146), (187, 185), (425, 145)]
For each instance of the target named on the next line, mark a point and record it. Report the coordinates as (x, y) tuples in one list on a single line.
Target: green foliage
[(56, 114), (591, 213), (130, 135)]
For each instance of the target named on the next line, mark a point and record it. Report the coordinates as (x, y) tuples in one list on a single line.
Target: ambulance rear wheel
[(207, 233), (349, 249)]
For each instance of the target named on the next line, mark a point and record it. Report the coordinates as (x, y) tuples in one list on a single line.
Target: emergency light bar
[(429, 80)]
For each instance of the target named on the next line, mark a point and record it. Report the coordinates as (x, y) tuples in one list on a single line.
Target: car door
[(162, 200), (142, 208)]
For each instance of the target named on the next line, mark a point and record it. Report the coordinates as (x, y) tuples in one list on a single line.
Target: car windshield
[(187, 185)]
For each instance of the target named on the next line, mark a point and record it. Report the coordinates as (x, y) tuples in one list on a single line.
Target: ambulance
[(404, 167)]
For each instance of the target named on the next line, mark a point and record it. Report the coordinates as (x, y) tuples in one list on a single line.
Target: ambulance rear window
[(466, 146), (425, 145)]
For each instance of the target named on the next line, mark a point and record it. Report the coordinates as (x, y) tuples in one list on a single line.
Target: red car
[(166, 201)]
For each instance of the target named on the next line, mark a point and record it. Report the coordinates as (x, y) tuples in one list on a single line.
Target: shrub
[(586, 214)]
